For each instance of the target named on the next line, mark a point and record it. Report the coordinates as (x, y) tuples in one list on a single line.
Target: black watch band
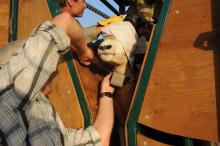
[(107, 94)]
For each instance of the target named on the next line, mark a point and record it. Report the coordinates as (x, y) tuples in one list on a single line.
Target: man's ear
[(70, 2)]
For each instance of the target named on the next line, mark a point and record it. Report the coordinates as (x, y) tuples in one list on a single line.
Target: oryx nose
[(105, 47)]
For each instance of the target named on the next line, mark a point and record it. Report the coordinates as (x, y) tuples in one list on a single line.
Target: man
[(27, 116)]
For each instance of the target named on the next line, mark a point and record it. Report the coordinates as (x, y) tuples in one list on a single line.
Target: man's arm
[(105, 116), (78, 41), (66, 21)]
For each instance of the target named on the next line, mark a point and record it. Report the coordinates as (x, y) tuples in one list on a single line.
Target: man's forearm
[(105, 119)]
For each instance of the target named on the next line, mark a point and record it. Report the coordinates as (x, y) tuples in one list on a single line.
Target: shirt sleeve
[(76, 137), (39, 60), (45, 124), (87, 137)]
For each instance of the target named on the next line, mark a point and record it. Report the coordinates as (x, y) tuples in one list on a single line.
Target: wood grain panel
[(182, 96), (31, 14), (64, 98), (90, 78), (4, 21), (145, 141)]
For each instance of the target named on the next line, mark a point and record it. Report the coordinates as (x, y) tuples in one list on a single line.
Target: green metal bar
[(13, 21), (79, 90), (188, 142), (164, 137), (107, 4), (55, 10), (54, 7), (97, 11), (142, 86)]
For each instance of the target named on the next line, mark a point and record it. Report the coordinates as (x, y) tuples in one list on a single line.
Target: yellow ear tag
[(111, 20)]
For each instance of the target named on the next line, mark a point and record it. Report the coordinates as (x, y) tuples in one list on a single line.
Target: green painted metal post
[(54, 7), (13, 20), (188, 142), (79, 91)]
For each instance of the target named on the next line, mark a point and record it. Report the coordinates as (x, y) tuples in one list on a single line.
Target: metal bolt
[(145, 143), (147, 117), (177, 12)]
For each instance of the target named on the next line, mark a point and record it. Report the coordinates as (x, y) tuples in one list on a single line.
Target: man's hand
[(85, 57), (105, 84), (47, 88)]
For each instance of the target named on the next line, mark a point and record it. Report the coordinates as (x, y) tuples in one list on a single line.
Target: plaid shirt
[(26, 115)]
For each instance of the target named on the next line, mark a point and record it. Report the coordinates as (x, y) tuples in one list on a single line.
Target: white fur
[(123, 38), (116, 54)]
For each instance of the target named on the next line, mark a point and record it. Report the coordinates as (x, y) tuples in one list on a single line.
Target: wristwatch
[(107, 94)]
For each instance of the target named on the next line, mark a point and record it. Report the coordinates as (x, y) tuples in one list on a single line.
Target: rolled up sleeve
[(82, 137)]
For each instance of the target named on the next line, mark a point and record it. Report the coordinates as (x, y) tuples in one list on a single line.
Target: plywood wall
[(182, 96), (64, 98), (4, 21), (89, 78), (146, 141), (31, 13)]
